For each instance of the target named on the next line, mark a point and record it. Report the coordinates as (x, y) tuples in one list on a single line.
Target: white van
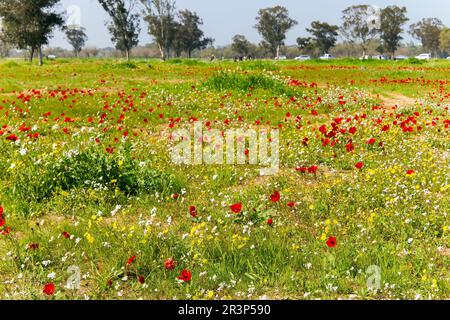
[(424, 56)]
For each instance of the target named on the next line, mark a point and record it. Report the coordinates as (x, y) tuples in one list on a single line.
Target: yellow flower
[(89, 238)]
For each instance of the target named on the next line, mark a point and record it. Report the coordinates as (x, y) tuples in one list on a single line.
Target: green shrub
[(225, 80), (259, 65), (414, 61), (187, 62), (90, 169)]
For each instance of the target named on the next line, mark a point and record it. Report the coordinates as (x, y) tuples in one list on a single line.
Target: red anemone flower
[(332, 242), (193, 211), (236, 208), (66, 235), (275, 197), (359, 165), (185, 276), (49, 289), (131, 260), (169, 264), (313, 169)]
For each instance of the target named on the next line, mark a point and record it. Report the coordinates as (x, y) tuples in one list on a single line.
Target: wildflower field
[(93, 207)]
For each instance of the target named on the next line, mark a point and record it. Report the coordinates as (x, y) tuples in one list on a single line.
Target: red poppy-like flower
[(313, 169), (275, 197), (410, 172), (185, 276), (371, 141), (1, 211), (291, 204), (33, 246), (169, 264), (12, 137), (175, 196), (6, 230), (332, 242), (2, 221), (131, 260), (193, 211), (49, 289), (236, 208), (301, 169), (359, 165), (141, 279), (270, 222), (352, 130), (349, 147), (65, 235)]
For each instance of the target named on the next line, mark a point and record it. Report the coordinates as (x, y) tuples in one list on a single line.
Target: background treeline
[(27, 27)]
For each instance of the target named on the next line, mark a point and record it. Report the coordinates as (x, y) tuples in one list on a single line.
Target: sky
[(224, 19)]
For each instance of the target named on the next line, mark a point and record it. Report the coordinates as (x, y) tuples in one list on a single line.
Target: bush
[(259, 65), (414, 61), (91, 169), (225, 80), (187, 62)]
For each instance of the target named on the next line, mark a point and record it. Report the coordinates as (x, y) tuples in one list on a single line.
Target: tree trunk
[(31, 54), (189, 53), (278, 53), (127, 52), (162, 52), (41, 62)]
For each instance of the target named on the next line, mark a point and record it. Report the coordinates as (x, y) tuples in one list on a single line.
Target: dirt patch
[(397, 101)]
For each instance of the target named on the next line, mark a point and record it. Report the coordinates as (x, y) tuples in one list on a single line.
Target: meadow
[(92, 207)]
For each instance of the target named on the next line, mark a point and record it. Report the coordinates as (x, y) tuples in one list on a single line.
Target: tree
[(4, 46), (28, 24), (273, 24), (160, 16), (392, 20), (428, 31), (324, 35), (76, 36), (189, 36), (445, 40), (241, 45), (360, 25), (305, 45), (124, 24)]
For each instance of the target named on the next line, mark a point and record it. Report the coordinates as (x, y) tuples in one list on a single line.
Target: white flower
[(52, 275)]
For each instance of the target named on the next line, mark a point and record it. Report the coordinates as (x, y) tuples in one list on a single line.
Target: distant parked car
[(281, 58), (303, 58), (51, 57), (380, 57), (424, 56), (448, 58), (326, 57), (366, 57), (400, 57)]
